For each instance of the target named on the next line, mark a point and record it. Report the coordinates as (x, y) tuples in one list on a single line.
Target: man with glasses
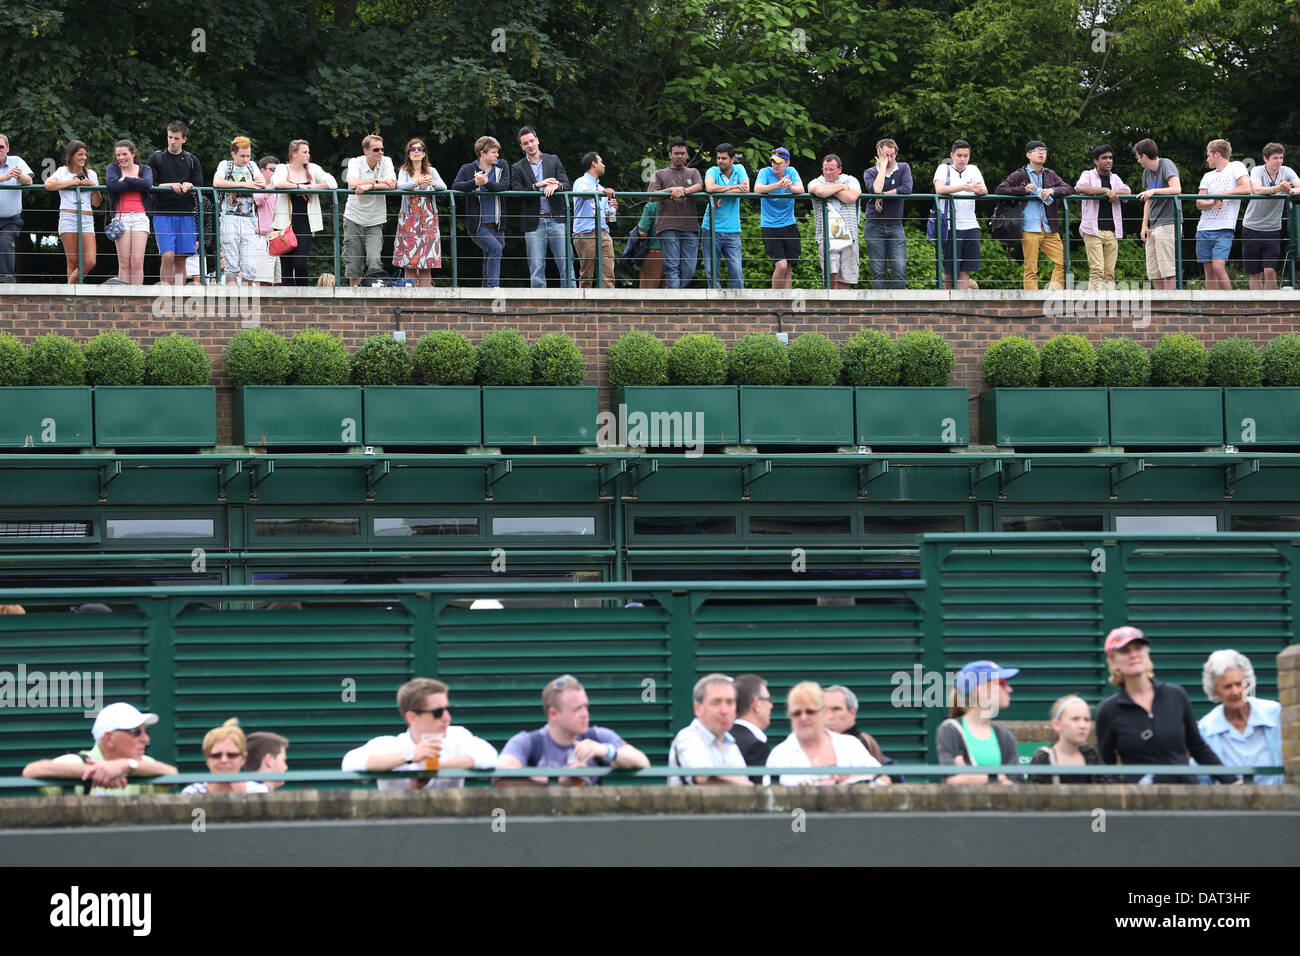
[(13, 172), (754, 705), (567, 740), (1040, 215), (365, 215), (121, 736), (429, 742), (707, 741)]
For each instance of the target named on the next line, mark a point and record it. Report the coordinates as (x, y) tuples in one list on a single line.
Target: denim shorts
[(1213, 244)]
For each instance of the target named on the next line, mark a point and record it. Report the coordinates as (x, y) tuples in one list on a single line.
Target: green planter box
[(146, 416), (904, 415), (554, 415), (423, 415), (54, 416), (796, 415), (1166, 416), (1261, 416), (661, 411), (1045, 416), (314, 415)]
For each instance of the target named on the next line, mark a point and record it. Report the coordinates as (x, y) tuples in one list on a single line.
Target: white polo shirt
[(458, 742)]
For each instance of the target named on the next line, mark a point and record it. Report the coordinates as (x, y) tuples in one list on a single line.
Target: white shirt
[(947, 174), (1221, 182), (68, 197), (254, 786), (760, 734), (697, 746), (367, 210), (458, 742), (849, 752)]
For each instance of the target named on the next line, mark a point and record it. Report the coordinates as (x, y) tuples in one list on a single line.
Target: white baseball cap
[(120, 716)]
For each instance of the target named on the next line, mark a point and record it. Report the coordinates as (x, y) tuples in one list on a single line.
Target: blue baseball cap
[(982, 672), (781, 153)]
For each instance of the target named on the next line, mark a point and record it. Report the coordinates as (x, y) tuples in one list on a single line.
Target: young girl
[(128, 189), (969, 737), (1072, 722)]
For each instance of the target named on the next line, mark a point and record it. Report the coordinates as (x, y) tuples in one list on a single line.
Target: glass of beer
[(431, 763)]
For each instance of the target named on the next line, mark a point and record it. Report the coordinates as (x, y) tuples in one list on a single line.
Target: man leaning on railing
[(588, 213), (13, 171), (707, 740), (364, 216), (121, 736)]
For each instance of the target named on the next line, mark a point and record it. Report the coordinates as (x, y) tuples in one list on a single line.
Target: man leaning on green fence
[(121, 736)]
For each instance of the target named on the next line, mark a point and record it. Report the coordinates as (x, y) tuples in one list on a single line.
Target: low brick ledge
[(176, 810)]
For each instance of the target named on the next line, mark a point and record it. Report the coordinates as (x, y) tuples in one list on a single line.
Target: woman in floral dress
[(418, 247)]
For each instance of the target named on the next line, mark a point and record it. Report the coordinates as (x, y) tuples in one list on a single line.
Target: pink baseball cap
[(1122, 636)]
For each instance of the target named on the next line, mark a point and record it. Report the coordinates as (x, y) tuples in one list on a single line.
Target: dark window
[(116, 528), (548, 524), (410, 527), (800, 524), (44, 529), (306, 527), (691, 525), (1052, 523), (912, 524), (1283, 523)]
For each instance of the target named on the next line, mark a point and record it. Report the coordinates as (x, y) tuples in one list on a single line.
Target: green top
[(130, 789), (647, 224), (985, 752)]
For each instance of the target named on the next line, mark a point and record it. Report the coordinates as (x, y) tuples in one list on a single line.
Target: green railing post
[(76, 191), (932, 638), (1295, 235), (1065, 221), (216, 235), (455, 258), (1178, 243), (952, 238), (338, 261), (682, 653), (568, 238), (200, 246), (160, 682), (826, 242), (425, 657), (1112, 592), (711, 211), (598, 220), (938, 245)]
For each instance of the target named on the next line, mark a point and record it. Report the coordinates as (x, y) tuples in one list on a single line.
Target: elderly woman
[(1243, 730), (1072, 723), (812, 745), (225, 749), (969, 737), (1147, 721)]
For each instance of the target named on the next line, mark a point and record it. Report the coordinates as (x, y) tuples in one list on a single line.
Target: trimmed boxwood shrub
[(503, 359), (1068, 361), (927, 359), (814, 360), (637, 358), (177, 360), (382, 360), (318, 357), (1179, 359), (14, 367), (56, 360), (114, 358), (557, 360), (257, 357), (1235, 363), (697, 358), (871, 358), (1122, 363), (760, 358), (1012, 362), (445, 357), (1282, 361)]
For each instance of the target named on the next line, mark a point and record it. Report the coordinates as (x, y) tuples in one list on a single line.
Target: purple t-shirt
[(553, 755)]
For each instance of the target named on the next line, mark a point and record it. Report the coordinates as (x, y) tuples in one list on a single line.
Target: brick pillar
[(1288, 693)]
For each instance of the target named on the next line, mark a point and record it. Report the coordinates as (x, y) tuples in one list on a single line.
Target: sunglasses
[(223, 755), (809, 712), (376, 149), (134, 731), (562, 682), (438, 711), (416, 149)]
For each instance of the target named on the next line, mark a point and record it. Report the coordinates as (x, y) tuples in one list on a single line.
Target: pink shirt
[(1091, 207)]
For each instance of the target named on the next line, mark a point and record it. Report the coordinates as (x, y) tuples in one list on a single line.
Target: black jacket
[(1165, 736), (521, 179), (1014, 185), (476, 208), (754, 751)]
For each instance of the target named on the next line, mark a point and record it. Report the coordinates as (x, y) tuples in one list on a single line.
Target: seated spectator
[(812, 745), (969, 737), (707, 741), (842, 718), (754, 704), (1243, 730), (225, 750), (121, 737), (1072, 722), (1147, 721), (267, 753), (429, 742), (567, 740)]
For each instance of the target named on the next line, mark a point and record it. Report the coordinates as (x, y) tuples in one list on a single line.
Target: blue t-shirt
[(777, 212), (553, 755), (729, 209)]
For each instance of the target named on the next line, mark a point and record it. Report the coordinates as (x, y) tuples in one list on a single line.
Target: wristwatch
[(408, 755), (133, 764)]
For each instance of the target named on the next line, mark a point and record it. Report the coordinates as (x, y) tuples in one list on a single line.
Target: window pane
[(306, 527), (672, 524), (545, 525), (409, 527), (160, 528), (1285, 523), (44, 529), (912, 524), (800, 524), (1051, 523), (1167, 524)]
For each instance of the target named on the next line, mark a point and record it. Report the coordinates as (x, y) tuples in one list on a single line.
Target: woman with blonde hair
[(225, 749), (969, 737), (418, 246), (299, 211), (1072, 722), (810, 744)]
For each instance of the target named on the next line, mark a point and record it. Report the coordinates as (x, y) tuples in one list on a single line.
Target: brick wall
[(970, 321)]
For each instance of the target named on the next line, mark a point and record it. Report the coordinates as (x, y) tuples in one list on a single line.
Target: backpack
[(376, 279), (535, 745)]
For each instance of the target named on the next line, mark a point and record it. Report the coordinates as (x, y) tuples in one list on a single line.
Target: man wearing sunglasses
[(430, 741), (121, 736), (364, 215)]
